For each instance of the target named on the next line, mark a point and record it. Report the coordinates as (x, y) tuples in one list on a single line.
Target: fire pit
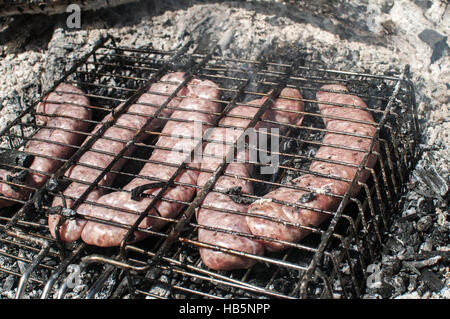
[(344, 247), (337, 260)]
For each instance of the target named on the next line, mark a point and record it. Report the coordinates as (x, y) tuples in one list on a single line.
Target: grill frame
[(323, 269)]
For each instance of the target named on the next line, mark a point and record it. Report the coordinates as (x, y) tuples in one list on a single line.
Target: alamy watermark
[(374, 280), (73, 20), (74, 278)]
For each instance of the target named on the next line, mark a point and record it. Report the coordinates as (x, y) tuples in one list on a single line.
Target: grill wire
[(331, 262)]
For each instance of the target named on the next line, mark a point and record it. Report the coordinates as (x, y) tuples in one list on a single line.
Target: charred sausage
[(65, 117), (322, 193), (93, 162), (213, 213)]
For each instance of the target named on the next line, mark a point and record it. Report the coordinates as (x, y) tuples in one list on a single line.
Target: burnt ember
[(236, 195), (307, 197), (14, 158)]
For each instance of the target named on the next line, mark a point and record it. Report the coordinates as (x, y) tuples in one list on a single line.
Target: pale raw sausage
[(65, 117), (322, 193), (285, 110), (90, 165), (178, 139)]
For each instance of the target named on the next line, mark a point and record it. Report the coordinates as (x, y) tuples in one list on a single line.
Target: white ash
[(375, 36)]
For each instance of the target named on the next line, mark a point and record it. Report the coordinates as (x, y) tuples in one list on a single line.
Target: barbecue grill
[(331, 262)]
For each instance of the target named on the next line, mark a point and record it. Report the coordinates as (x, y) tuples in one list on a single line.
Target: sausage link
[(211, 213), (65, 117), (93, 162), (323, 194), (178, 137)]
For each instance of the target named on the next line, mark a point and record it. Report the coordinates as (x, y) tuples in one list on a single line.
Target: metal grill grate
[(331, 262)]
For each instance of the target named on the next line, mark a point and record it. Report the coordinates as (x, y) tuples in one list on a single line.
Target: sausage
[(322, 193), (197, 107), (96, 161), (65, 117), (210, 214)]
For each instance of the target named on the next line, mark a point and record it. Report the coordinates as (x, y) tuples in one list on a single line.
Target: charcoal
[(14, 158), (384, 290), (398, 284), (440, 235), (395, 245), (391, 266), (431, 280), (426, 206), (9, 282), (431, 182), (427, 246), (424, 223), (282, 285), (307, 197)]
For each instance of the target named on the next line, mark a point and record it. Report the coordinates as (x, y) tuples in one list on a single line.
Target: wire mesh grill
[(330, 262)]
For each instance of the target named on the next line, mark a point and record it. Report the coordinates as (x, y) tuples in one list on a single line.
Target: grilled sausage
[(322, 193), (106, 148), (211, 213), (177, 137), (64, 117)]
